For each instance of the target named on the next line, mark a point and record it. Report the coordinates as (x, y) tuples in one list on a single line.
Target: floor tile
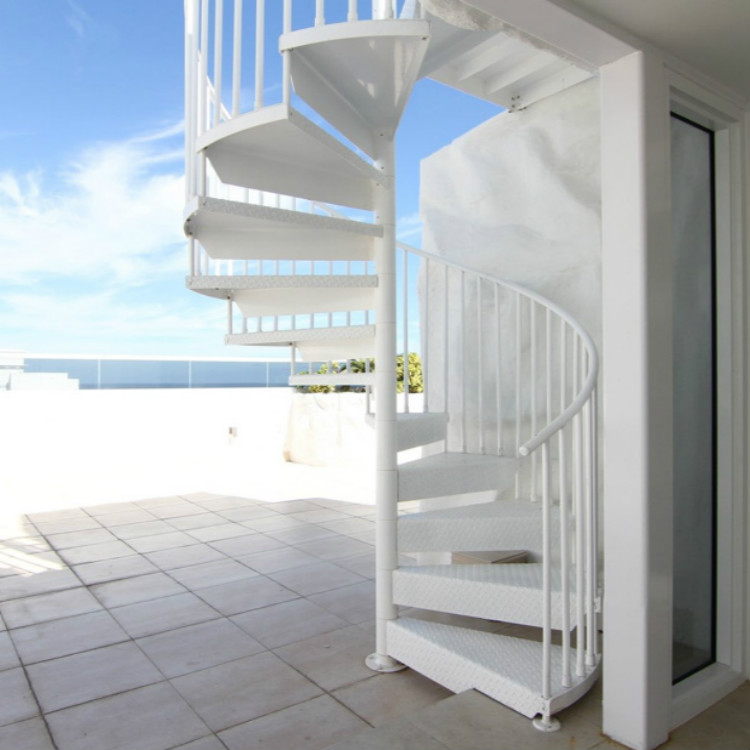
[(159, 542), (312, 725), (34, 609), (287, 622), (71, 524), (96, 552), (140, 529), (136, 589), (332, 660), (306, 533), (50, 640), (53, 516), (198, 521), (332, 548), (158, 502), (123, 518), (268, 523), (399, 734), (17, 700), (179, 652), (70, 680), (8, 656), (28, 544), (164, 720), (354, 604), (80, 538), (38, 583), (294, 506), (205, 743), (474, 722), (273, 560), (226, 502), (107, 509), (317, 515), (385, 696), (229, 694), (181, 557), (212, 574), (31, 734), (174, 510), (247, 513), (246, 545), (349, 525), (113, 570), (159, 615), (242, 596), (218, 531), (312, 579), (363, 565)]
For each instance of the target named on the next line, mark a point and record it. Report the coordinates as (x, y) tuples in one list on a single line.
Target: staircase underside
[(245, 231), (504, 668), (279, 150)]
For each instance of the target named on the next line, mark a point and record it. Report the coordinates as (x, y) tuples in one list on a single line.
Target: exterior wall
[(518, 198)]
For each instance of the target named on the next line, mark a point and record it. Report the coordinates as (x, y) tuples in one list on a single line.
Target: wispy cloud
[(409, 227), (113, 214), (77, 18)]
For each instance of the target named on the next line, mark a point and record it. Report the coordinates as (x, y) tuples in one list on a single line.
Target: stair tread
[(506, 668), (358, 75), (279, 150), (289, 337), (454, 473), (507, 575), (500, 509)]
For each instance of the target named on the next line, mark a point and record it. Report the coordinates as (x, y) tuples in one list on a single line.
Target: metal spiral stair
[(358, 77)]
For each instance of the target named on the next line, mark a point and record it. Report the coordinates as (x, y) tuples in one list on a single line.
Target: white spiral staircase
[(509, 406)]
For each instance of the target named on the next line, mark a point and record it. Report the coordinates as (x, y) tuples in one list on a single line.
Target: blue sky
[(92, 255)]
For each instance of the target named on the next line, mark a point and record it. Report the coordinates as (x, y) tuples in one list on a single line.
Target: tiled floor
[(208, 622)]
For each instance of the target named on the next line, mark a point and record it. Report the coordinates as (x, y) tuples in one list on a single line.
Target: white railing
[(232, 66), (516, 375)]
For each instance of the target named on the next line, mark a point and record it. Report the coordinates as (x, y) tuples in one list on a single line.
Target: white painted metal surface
[(257, 232)]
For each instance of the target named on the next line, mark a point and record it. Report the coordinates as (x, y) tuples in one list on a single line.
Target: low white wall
[(67, 448)]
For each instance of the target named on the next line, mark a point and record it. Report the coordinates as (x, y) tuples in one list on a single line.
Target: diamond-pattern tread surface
[(505, 668), (505, 592)]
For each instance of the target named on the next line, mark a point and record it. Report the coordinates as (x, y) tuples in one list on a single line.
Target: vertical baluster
[(546, 571), (352, 15), (595, 509), (191, 61), (564, 519), (446, 321), (218, 52), (518, 387), (320, 17), (230, 317), (480, 367), (498, 374), (244, 324), (425, 320), (405, 313), (579, 523), (191, 255), (236, 58), (548, 363), (464, 338), (260, 39), (532, 406), (203, 68), (588, 471)]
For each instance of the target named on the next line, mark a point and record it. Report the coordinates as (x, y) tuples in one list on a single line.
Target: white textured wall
[(517, 197)]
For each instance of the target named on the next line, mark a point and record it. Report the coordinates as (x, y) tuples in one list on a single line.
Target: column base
[(381, 663)]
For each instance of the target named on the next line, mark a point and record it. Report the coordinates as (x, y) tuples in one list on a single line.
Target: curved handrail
[(589, 384)]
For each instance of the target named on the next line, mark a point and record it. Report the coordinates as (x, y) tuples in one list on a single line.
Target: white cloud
[(114, 215), (409, 227)]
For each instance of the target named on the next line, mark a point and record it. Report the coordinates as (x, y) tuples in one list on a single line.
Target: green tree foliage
[(416, 381)]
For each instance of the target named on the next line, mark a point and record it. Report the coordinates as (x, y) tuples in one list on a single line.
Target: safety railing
[(516, 375)]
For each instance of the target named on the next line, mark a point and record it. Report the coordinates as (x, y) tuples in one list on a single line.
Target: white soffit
[(712, 36)]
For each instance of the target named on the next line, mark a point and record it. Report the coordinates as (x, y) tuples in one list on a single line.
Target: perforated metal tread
[(417, 428), (503, 524), (447, 474), (505, 668), (506, 592)]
